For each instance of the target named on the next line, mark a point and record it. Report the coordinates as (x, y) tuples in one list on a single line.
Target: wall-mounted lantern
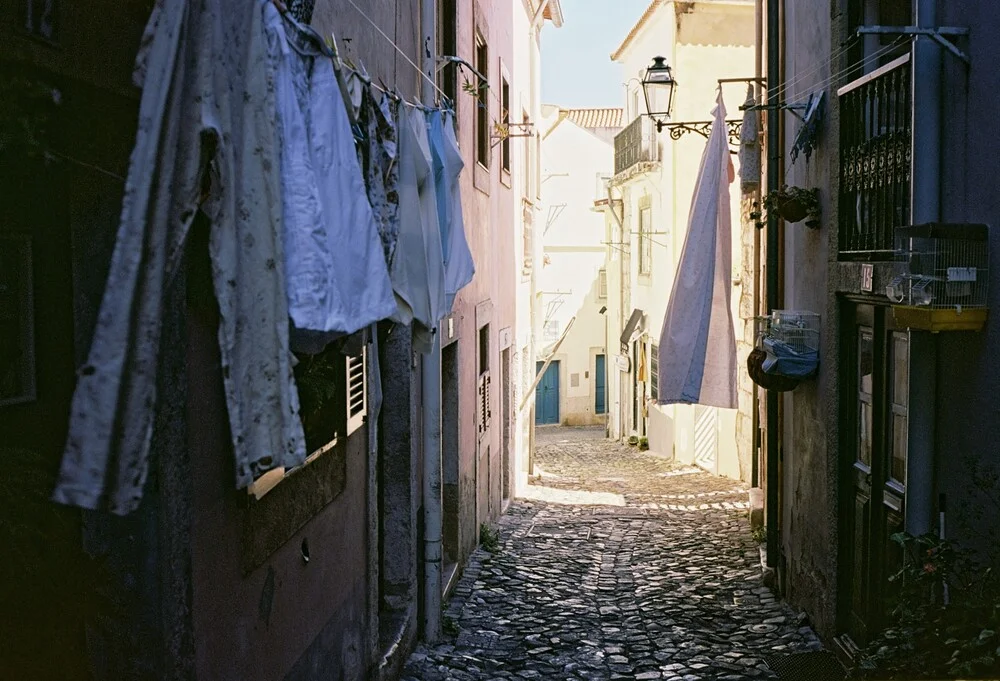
[(658, 88)]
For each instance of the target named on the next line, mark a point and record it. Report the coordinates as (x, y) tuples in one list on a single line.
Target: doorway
[(505, 426), (547, 395), (600, 387), (875, 426), (449, 454)]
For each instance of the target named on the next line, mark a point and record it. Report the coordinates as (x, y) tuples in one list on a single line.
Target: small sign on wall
[(867, 274), (622, 362), (506, 338)]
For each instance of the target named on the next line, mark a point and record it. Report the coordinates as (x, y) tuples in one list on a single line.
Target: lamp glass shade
[(658, 88)]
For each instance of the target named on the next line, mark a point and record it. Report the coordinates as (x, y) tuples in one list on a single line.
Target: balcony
[(636, 144), (875, 144)]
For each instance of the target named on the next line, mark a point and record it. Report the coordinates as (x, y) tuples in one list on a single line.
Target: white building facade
[(577, 153), (647, 213)]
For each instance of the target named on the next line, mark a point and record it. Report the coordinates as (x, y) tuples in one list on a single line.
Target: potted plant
[(794, 204), (643, 444), (633, 441)]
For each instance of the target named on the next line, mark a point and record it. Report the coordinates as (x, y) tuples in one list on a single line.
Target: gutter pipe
[(773, 160), (430, 367)]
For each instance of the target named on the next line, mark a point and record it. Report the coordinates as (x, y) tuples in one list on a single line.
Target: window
[(482, 102), (550, 330), (448, 47), (40, 18), (505, 121), (485, 411), (645, 243), (484, 349), (602, 283), (654, 371), (333, 404)]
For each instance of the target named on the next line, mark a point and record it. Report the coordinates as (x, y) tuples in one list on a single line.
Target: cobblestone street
[(619, 565)]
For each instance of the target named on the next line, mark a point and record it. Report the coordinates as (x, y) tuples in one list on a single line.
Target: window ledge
[(481, 178), (292, 499)]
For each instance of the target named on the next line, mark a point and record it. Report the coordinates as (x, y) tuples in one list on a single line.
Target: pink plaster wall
[(488, 210)]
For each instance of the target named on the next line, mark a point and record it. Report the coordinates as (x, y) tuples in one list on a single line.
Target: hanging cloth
[(749, 145), (697, 361), (459, 267), (642, 371), (206, 122), (338, 280), (380, 151), (418, 268)]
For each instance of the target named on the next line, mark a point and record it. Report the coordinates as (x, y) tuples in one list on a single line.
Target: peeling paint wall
[(809, 504)]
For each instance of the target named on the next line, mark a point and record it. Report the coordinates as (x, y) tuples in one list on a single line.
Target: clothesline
[(397, 48), (779, 89), (405, 56)]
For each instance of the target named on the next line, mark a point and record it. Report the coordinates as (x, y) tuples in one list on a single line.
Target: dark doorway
[(449, 453), (876, 397), (600, 389), (505, 421)]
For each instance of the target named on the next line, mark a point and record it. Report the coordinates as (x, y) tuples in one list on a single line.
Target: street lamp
[(657, 87)]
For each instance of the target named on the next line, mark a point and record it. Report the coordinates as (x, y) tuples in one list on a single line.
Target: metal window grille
[(875, 150)]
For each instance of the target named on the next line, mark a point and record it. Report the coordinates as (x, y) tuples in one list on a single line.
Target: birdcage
[(944, 282), (787, 349)]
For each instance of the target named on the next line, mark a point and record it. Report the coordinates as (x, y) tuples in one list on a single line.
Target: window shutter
[(357, 394), (484, 404)]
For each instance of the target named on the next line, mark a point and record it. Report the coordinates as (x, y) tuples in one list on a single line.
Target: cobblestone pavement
[(661, 581)]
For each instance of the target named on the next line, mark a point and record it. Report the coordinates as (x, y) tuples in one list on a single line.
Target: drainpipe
[(758, 97), (535, 106), (925, 207), (773, 159), (431, 397)]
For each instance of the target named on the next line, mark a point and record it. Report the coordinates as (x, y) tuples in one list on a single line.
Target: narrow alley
[(620, 565)]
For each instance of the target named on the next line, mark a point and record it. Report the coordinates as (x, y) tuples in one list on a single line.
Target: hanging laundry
[(749, 145), (206, 123), (697, 361), (377, 153), (338, 280), (418, 268), (459, 266)]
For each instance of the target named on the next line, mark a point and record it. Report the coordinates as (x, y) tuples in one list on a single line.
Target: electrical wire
[(398, 49), (822, 85), (419, 70), (781, 88)]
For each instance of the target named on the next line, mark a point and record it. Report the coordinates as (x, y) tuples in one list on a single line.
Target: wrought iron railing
[(875, 141), (635, 144)]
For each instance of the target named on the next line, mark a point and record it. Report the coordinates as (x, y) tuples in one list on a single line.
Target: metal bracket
[(524, 130), (793, 108), (703, 128), (935, 34)]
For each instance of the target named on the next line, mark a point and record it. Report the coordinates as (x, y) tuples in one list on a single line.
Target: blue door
[(547, 395), (600, 391)]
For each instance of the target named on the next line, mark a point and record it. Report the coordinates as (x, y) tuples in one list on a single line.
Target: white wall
[(703, 43), (572, 160), (525, 88)]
